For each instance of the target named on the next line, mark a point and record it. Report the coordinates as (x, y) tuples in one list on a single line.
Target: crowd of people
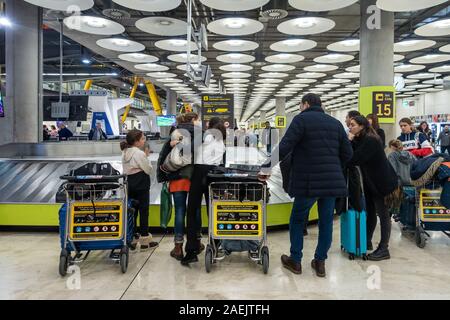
[(64, 133), (320, 149)]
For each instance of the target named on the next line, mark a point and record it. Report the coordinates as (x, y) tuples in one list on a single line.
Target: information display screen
[(166, 121)]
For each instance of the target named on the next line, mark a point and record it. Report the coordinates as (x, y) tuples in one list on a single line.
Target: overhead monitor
[(166, 121)]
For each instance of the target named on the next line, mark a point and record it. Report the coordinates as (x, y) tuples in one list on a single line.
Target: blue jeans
[(299, 216), (179, 200)]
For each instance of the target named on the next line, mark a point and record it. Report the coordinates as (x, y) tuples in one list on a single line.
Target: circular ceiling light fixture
[(407, 5), (234, 5), (431, 58), (346, 75), (63, 5), (235, 26), (236, 67), (138, 57), (321, 68), (236, 45), (408, 68), (311, 75), (178, 45), (278, 68), (120, 44), (273, 75), (306, 26), (398, 57), (183, 57), (158, 75), (303, 81), (237, 75), (338, 81), (162, 26), (149, 5), (353, 69), (334, 58), (293, 45), (441, 69), (413, 45), (239, 58), (348, 45), (445, 48), (151, 67), (237, 81), (268, 80), (440, 28), (314, 5), (93, 25), (424, 75), (285, 58)]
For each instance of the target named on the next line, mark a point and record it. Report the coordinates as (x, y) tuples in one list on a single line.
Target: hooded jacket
[(417, 143), (402, 161), (134, 161)]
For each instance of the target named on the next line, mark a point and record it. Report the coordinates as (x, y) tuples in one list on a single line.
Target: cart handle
[(72, 178)]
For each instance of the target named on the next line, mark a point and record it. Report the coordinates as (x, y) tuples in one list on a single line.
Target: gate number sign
[(383, 104)]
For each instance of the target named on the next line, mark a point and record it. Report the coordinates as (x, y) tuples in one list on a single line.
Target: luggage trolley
[(431, 214), (95, 217), (237, 211)]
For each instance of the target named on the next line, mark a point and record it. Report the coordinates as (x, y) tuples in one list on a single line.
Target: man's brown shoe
[(319, 267), (177, 252), (291, 265)]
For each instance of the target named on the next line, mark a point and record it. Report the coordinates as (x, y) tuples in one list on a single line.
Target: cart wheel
[(124, 255), (364, 257), (351, 256), (63, 262), (208, 258), (265, 259), (420, 238)]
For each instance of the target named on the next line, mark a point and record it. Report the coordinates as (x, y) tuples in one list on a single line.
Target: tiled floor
[(29, 270)]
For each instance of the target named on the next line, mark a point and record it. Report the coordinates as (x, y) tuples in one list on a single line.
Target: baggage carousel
[(28, 188)]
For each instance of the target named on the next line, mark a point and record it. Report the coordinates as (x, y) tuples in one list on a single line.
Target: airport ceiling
[(273, 61)]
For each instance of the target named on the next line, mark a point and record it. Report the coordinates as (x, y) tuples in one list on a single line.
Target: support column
[(377, 52), (280, 111), (23, 101), (171, 101), (262, 117)]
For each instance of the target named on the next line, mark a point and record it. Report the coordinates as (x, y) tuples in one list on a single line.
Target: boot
[(190, 257), (291, 265), (177, 251), (379, 254), (319, 267)]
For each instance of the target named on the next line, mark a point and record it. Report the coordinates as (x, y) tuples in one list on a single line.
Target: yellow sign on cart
[(103, 220), (237, 219), (378, 100), (431, 209)]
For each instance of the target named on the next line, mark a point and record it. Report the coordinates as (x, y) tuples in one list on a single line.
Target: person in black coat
[(379, 180), (320, 150)]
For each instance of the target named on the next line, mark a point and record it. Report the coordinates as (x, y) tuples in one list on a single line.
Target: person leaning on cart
[(208, 155), (137, 168), (320, 149)]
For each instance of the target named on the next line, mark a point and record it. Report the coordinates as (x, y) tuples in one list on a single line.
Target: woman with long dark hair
[(379, 180), (208, 155), (373, 121), (425, 129), (137, 168)]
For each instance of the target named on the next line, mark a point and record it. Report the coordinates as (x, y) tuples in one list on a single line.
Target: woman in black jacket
[(379, 180)]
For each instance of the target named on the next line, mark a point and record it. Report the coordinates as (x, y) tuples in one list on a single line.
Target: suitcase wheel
[(364, 257), (351, 256)]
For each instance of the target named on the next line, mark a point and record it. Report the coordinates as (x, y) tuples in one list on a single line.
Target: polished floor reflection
[(29, 270)]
